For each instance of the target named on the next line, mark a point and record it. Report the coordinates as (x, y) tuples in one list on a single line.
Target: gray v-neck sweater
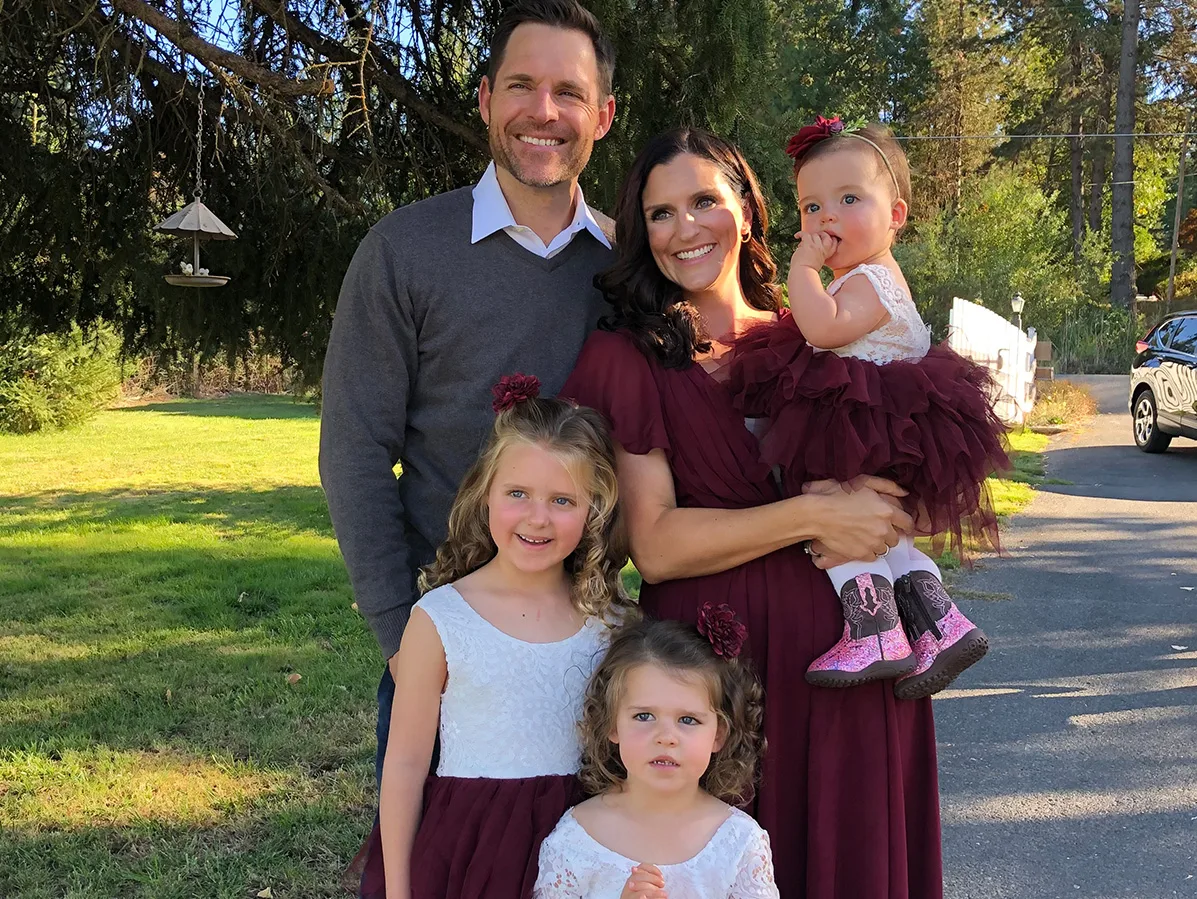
[(425, 324)]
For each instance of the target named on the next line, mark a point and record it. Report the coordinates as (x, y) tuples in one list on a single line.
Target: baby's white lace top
[(735, 864), (510, 708), (903, 338)]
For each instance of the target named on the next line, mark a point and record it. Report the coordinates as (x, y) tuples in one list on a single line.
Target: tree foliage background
[(320, 117)]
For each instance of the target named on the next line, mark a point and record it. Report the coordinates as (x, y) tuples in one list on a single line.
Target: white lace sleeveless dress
[(736, 863), (509, 753), (904, 338)]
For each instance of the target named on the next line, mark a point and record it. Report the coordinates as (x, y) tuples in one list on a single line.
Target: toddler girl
[(671, 733), (497, 654), (852, 386)]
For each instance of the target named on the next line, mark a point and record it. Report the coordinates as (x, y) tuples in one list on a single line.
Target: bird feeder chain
[(199, 141)]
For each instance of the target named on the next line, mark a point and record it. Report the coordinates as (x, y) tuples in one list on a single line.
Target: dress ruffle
[(479, 838), (929, 425)]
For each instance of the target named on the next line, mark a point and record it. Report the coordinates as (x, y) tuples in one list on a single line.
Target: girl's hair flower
[(720, 625), (513, 389)]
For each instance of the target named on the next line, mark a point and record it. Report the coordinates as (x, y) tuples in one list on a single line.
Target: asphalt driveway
[(1068, 757)]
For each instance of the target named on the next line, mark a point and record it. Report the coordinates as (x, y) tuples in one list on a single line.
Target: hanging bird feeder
[(197, 221)]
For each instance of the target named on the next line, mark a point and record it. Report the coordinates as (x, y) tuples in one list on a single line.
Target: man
[(446, 295)]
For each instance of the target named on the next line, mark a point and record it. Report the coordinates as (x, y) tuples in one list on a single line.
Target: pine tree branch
[(184, 37), (283, 136), (383, 73)]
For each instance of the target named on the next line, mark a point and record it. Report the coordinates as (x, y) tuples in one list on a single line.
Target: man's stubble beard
[(572, 166)]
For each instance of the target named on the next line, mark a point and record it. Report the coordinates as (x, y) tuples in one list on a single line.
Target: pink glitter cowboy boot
[(945, 642), (873, 646)]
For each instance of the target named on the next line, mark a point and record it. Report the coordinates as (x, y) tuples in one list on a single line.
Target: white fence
[(987, 338)]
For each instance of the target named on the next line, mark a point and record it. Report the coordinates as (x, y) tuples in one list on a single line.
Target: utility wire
[(1001, 137)]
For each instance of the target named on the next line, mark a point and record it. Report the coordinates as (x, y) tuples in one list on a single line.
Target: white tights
[(901, 559)]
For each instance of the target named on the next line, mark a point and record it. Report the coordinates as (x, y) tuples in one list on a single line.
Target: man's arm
[(368, 374)]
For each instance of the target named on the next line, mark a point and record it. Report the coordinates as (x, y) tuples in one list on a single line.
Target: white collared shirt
[(491, 214)]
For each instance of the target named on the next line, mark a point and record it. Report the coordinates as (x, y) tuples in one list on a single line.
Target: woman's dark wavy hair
[(648, 305)]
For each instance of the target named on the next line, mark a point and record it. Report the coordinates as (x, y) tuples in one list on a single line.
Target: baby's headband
[(809, 135), (513, 389)]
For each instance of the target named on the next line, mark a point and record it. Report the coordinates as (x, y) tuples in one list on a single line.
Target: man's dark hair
[(560, 14)]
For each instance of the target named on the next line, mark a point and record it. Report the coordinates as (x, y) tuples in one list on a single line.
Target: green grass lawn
[(1016, 489), (164, 570)]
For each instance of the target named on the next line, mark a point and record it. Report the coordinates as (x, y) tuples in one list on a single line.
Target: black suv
[(1163, 390)]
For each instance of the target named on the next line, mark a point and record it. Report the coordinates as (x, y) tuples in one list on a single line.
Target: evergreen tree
[(321, 117)]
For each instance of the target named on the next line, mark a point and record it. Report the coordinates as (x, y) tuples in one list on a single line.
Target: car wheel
[(1148, 437)]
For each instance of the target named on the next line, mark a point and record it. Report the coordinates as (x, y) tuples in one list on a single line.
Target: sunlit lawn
[(164, 570), (1014, 490)]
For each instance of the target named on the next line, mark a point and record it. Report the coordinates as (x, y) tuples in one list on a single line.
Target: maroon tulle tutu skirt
[(928, 425), (479, 838)]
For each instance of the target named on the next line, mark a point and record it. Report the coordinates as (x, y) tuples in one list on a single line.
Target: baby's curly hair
[(736, 696)]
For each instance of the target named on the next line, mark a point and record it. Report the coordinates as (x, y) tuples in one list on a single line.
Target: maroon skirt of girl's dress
[(479, 838), (928, 425), (848, 789)]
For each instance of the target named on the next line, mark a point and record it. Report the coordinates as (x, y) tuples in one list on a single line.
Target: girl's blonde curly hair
[(736, 697), (579, 437)]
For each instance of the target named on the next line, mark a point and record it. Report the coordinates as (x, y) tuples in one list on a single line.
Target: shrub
[(182, 373), (1061, 402), (57, 380), (1186, 289), (1009, 235)]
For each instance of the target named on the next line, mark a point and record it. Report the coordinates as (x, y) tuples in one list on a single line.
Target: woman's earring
[(745, 237)]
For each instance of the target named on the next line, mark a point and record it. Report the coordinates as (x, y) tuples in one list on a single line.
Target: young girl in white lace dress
[(672, 734), (865, 393), (515, 617)]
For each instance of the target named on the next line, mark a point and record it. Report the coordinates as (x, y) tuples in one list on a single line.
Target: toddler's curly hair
[(736, 697)]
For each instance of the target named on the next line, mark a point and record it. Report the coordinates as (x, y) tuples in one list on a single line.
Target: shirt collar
[(491, 212)]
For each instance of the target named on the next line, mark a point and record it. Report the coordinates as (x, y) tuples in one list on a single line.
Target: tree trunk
[(958, 108), (1100, 154), (1122, 220), (1097, 184), (1076, 202)]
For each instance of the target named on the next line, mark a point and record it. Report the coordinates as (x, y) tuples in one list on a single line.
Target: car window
[(1184, 337), (1160, 335)]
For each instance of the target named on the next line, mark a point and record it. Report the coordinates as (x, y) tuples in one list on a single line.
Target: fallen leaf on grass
[(242, 597), (168, 697), (293, 679), (266, 894), (354, 607)]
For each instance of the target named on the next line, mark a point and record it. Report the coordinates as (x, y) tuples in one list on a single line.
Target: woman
[(708, 522)]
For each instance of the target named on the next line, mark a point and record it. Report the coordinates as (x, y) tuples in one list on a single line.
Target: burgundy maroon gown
[(849, 791)]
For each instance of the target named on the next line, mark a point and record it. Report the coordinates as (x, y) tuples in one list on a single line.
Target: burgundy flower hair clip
[(513, 389), (809, 135), (720, 625)]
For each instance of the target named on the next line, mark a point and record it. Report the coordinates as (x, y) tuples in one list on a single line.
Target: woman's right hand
[(646, 882), (862, 522)]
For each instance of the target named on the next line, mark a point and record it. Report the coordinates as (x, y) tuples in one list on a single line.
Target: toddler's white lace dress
[(735, 864), (903, 338)]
